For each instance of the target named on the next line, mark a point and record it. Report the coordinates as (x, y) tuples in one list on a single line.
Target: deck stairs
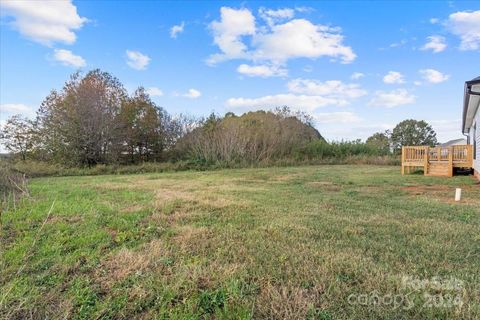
[(439, 169)]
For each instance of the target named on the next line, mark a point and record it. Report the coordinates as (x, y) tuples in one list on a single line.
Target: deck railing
[(461, 154), (414, 154)]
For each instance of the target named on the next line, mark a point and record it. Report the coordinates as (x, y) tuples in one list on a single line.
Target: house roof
[(474, 80), (454, 142), (471, 102)]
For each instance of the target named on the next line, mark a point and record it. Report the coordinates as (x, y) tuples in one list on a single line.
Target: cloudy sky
[(357, 67)]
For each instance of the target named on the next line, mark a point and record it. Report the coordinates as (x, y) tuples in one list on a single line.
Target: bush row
[(33, 168)]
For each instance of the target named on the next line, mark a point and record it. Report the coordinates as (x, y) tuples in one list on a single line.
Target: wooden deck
[(436, 161)]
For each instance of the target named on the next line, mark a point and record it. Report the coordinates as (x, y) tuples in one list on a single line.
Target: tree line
[(93, 120)]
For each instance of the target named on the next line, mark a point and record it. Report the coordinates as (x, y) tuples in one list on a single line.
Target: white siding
[(476, 162)]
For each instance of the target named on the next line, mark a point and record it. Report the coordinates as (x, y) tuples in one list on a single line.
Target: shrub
[(319, 149), (33, 168)]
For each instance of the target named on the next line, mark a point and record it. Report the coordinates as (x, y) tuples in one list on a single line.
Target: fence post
[(403, 160)]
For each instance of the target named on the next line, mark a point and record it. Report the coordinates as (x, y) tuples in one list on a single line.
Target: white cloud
[(228, 33), (433, 76), (297, 102), (299, 38), (273, 16), (137, 60), (67, 58), (263, 71), (175, 30), (277, 42), (304, 94), (434, 20), (466, 25), (435, 43), (336, 117), (154, 92), (392, 98), (43, 21), (192, 94), (16, 108), (393, 77), (357, 75), (331, 88)]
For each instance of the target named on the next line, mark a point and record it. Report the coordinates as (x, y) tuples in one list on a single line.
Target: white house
[(471, 120)]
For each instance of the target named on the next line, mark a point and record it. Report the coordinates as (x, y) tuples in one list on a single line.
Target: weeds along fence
[(13, 185)]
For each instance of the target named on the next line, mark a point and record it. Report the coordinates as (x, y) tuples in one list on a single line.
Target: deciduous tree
[(413, 133), (380, 141), (17, 135), (79, 124), (144, 127)]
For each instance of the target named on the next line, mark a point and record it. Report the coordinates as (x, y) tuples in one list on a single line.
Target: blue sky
[(357, 67)]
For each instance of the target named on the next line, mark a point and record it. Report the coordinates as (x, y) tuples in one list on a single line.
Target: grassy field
[(317, 242)]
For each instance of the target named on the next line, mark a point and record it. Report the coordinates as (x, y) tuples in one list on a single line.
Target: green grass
[(278, 243)]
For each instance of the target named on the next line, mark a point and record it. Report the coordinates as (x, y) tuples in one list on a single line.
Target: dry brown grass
[(287, 302), (126, 262)]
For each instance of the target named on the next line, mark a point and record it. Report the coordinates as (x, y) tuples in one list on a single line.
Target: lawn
[(313, 242)]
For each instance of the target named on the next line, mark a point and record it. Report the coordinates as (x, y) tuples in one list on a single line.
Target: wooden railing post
[(469, 155), (425, 161), (450, 161), (403, 160)]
